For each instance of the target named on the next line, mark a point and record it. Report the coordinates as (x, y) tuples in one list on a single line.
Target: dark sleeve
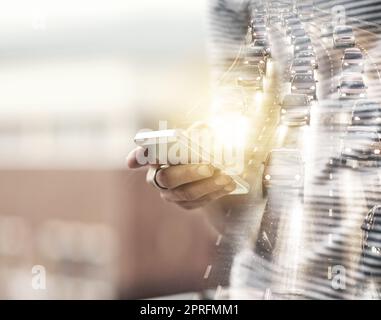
[(229, 21)]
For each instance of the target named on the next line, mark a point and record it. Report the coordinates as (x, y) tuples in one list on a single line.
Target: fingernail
[(205, 170), (222, 180), (230, 187)]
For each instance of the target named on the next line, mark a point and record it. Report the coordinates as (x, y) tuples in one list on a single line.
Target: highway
[(286, 246)]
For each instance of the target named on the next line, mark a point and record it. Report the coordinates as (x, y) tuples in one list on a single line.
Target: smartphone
[(151, 139)]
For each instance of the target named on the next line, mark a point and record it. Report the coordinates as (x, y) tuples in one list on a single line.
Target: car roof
[(253, 47), (304, 75), (362, 129), (366, 102), (296, 95), (352, 50), (303, 38), (298, 60), (343, 27), (247, 66), (351, 77), (311, 52)]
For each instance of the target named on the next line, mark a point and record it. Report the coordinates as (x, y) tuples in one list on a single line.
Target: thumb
[(133, 156)]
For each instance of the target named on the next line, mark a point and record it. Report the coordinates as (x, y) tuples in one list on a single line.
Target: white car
[(301, 66), (306, 10), (352, 86), (360, 144), (287, 15), (308, 55), (257, 56), (367, 113), (264, 43), (283, 168), (302, 44), (353, 60), (292, 24), (343, 36), (259, 32), (250, 76), (295, 110), (304, 84), (297, 33)]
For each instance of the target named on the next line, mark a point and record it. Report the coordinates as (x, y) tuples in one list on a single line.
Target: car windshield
[(255, 52), (306, 54), (293, 21), (259, 29), (298, 32), (251, 70), (260, 43), (305, 7), (344, 30), (284, 159), (368, 106), (294, 101), (363, 136), (353, 84), (353, 55), (301, 62), (303, 78), (302, 40)]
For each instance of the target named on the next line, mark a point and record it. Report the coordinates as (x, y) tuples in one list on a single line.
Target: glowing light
[(229, 130)]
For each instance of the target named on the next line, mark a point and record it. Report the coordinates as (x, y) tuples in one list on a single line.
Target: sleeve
[(229, 20)]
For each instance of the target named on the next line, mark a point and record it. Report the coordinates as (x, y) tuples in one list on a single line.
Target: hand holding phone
[(158, 143)]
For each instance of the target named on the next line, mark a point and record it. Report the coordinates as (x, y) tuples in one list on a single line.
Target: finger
[(190, 205), (196, 190), (133, 156), (175, 176)]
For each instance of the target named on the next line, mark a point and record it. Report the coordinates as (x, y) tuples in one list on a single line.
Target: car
[(353, 60), (343, 36), (352, 86), (291, 24), (256, 56), (283, 168), (305, 10), (360, 144), (302, 44), (259, 32), (250, 76), (297, 33), (326, 30), (370, 261), (310, 56), (265, 44), (285, 16), (258, 8), (304, 84), (300, 66), (295, 110), (258, 20), (366, 113)]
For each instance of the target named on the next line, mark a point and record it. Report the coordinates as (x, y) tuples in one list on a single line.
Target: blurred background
[(78, 79)]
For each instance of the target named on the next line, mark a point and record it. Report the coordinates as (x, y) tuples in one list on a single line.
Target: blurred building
[(78, 79)]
